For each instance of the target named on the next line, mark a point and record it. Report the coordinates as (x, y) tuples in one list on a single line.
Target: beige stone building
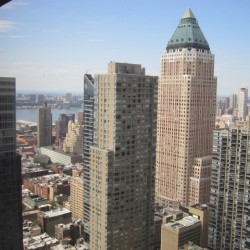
[(76, 197), (73, 142), (123, 159), (181, 228), (186, 117)]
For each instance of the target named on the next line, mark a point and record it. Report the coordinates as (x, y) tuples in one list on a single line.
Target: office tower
[(44, 126), (186, 117), (68, 97), (3, 2), (242, 104), (226, 104), (62, 125), (233, 101), (88, 134), (10, 170), (32, 98), (40, 98), (123, 158), (230, 190)]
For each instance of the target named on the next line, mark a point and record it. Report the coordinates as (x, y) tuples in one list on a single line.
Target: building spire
[(188, 34), (189, 14)]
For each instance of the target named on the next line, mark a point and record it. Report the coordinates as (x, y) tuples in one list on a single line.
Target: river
[(31, 114)]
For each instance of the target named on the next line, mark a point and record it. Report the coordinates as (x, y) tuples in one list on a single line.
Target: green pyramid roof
[(188, 34)]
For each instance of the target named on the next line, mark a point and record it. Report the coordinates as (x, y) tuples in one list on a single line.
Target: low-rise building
[(191, 246), (34, 201), (175, 234), (57, 155), (27, 139), (40, 242), (30, 229), (48, 186), (33, 171), (30, 215), (70, 232), (48, 219), (180, 227)]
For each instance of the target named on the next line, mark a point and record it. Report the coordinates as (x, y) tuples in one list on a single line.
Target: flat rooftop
[(187, 221), (56, 212), (59, 151)]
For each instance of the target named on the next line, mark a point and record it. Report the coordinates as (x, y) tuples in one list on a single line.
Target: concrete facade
[(123, 158), (73, 142), (76, 197), (44, 126), (242, 104), (185, 120), (230, 190), (176, 234)]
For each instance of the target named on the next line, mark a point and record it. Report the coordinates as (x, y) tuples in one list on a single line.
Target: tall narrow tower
[(186, 117), (44, 126), (123, 159), (10, 170), (88, 131), (242, 104)]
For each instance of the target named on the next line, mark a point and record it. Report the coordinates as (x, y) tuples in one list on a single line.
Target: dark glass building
[(10, 170), (88, 120)]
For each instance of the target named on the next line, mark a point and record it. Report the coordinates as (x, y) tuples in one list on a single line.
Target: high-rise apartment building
[(88, 135), (233, 102), (230, 190), (123, 158), (10, 170), (44, 126), (242, 104), (186, 117)]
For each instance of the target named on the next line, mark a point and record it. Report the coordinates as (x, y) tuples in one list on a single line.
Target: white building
[(242, 104)]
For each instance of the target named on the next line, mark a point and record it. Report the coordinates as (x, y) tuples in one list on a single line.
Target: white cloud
[(6, 25), (13, 5)]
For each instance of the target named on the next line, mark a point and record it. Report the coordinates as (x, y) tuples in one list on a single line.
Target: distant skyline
[(49, 45)]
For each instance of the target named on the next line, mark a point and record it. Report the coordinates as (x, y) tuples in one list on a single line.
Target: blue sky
[(49, 44)]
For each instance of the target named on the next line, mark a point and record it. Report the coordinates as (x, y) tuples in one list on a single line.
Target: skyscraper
[(233, 101), (230, 190), (186, 117), (10, 170), (44, 126), (88, 135), (62, 125), (123, 158), (242, 104), (74, 138)]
